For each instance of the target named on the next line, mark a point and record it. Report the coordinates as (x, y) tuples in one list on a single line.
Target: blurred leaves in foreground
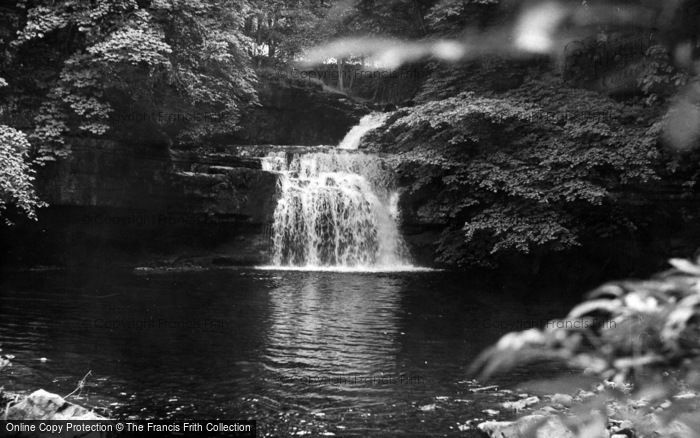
[(639, 339), (547, 28)]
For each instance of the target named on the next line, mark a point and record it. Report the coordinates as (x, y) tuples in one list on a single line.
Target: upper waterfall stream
[(367, 123), (337, 209)]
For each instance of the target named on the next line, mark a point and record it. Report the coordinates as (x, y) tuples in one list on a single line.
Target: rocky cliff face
[(108, 174), (297, 112), (112, 201), (121, 200)]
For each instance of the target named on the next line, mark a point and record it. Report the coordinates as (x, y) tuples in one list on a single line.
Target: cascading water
[(367, 123), (336, 209)]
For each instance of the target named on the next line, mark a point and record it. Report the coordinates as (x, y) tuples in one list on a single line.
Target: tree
[(515, 177), (449, 17), (284, 28), (401, 18), (16, 176), (90, 64)]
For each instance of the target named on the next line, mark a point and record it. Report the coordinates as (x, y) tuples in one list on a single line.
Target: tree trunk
[(258, 31), (351, 82), (376, 92), (340, 63), (419, 16)]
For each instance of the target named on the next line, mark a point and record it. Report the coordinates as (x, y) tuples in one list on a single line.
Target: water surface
[(353, 354)]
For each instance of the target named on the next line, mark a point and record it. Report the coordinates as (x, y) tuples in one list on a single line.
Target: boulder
[(545, 426), (297, 112), (109, 201), (562, 399), (44, 405), (242, 194), (519, 405)]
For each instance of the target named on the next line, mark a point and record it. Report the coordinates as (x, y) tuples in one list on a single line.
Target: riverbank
[(604, 411), (548, 416)]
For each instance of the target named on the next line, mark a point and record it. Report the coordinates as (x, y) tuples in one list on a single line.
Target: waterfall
[(336, 209), (367, 123)]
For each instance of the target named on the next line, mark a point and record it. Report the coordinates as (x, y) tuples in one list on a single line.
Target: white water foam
[(337, 211), (348, 270), (367, 123)]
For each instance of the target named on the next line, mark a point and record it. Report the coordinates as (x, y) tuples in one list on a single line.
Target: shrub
[(17, 176), (642, 337)]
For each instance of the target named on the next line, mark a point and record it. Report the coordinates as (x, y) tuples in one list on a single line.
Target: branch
[(81, 385)]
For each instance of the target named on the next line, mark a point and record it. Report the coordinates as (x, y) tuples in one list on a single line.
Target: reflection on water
[(334, 333), (350, 353)]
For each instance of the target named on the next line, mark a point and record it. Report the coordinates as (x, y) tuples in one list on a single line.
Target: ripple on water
[(298, 351)]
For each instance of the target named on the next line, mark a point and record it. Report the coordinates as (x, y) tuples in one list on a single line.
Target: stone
[(585, 395), (521, 404), (622, 429), (44, 405), (109, 201), (626, 424), (546, 427), (547, 410), (685, 395), (562, 399), (244, 194), (484, 388)]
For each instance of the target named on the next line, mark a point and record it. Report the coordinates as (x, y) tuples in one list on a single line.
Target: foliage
[(423, 18), (16, 178), (640, 335), (531, 171), (287, 27), (92, 64), (660, 78), (309, 22), (405, 18), (453, 16)]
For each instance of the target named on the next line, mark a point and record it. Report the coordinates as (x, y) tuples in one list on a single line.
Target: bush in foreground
[(639, 339)]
